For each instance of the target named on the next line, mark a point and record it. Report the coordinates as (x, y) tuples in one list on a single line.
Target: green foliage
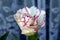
[(33, 37), (4, 36)]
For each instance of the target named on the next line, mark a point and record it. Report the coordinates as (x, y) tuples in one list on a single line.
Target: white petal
[(24, 11), (33, 10), (41, 17), (28, 10), (37, 12), (19, 11)]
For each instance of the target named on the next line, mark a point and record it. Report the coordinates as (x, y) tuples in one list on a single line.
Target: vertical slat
[(33, 2), (54, 18), (28, 2), (58, 38), (42, 31), (25, 3), (47, 18), (43, 4), (39, 4)]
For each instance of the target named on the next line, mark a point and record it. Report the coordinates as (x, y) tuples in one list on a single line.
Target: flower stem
[(32, 37)]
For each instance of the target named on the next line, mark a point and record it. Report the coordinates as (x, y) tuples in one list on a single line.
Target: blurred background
[(7, 23)]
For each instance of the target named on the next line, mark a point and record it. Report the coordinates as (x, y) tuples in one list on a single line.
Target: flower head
[(30, 19)]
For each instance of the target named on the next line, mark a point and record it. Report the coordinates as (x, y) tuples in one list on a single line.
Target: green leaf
[(4, 36), (16, 38), (33, 37)]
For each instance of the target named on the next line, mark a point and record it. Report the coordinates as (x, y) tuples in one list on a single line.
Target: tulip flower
[(30, 20)]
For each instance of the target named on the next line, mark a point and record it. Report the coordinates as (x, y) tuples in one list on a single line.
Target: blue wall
[(7, 23)]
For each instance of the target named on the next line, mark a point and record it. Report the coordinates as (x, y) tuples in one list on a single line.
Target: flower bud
[(30, 20)]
